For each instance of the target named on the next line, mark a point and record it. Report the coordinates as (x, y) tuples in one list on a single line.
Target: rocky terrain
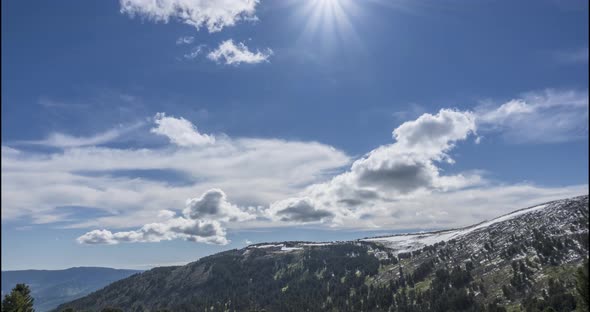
[(523, 261)]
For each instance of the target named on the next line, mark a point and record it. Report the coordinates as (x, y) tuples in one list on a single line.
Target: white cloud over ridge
[(388, 172), (231, 53), (201, 231), (280, 183), (211, 14)]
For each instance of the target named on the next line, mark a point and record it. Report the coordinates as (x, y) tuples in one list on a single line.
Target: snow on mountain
[(401, 243)]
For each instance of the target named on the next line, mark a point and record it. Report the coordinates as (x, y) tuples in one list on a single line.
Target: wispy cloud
[(61, 140), (541, 117), (271, 182), (195, 51), (185, 40), (234, 54), (576, 56)]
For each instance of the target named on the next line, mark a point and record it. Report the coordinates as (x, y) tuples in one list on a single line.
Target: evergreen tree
[(19, 300), (582, 288)]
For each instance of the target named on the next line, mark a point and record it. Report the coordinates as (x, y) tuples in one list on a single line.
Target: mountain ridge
[(533, 246)]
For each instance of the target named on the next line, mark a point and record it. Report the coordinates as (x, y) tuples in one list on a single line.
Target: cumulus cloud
[(36, 183), (212, 14), (388, 172), (202, 231), (180, 131), (549, 116), (200, 223), (214, 204), (401, 185), (234, 54), (300, 210)]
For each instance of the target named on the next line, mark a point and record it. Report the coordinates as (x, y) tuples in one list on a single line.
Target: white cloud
[(202, 231), (35, 184), (387, 173), (201, 223), (185, 40), (549, 116), (196, 51), (274, 182), (180, 131), (61, 140), (166, 214), (214, 204), (212, 14), (235, 54)]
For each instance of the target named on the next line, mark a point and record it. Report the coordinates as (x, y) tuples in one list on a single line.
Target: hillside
[(524, 259), (51, 288)]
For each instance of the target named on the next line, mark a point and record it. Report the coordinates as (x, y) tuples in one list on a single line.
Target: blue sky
[(136, 135)]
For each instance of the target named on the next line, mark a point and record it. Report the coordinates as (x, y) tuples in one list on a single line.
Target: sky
[(142, 133)]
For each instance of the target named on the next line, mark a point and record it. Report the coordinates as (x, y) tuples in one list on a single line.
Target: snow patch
[(410, 242)]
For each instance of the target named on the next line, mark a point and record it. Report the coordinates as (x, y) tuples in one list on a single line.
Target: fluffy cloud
[(201, 223), (214, 204), (127, 186), (401, 185), (548, 116), (180, 131), (388, 172), (212, 14), (202, 231), (300, 210), (234, 54)]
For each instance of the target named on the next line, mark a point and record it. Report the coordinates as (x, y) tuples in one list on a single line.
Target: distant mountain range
[(51, 288), (525, 260)]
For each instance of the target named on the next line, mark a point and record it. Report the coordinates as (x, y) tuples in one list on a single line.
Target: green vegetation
[(19, 300)]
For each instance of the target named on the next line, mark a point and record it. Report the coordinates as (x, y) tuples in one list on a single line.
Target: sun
[(328, 17)]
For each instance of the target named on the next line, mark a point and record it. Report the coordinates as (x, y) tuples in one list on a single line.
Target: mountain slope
[(524, 258), (53, 287)]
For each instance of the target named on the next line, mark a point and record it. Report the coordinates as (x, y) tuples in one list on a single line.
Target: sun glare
[(329, 17)]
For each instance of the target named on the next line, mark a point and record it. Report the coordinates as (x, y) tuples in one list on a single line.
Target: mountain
[(528, 258), (51, 288)]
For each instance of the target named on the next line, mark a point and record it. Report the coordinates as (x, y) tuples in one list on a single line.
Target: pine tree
[(19, 300), (582, 288)]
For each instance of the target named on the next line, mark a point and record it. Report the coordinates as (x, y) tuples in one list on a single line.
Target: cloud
[(577, 56), (61, 140), (196, 51), (273, 183), (387, 172), (36, 182), (185, 40), (212, 14), (549, 116), (180, 131), (201, 223), (202, 231), (235, 54), (300, 210), (214, 204)]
